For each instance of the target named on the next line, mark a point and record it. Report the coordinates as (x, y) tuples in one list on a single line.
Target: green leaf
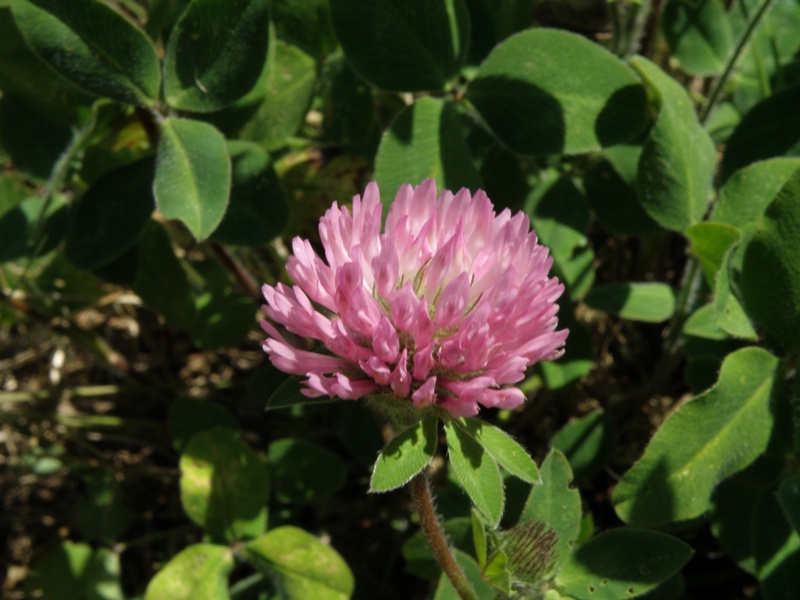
[(771, 128), (12, 192), (424, 141), (733, 511), (72, 571), (777, 549), (291, 75), (59, 573), (727, 307), (506, 451), (33, 227), (557, 506), (577, 273), (193, 175), (224, 315), (445, 589), (476, 471), (199, 572), (761, 68), (103, 576), (257, 212), (546, 91), (496, 572), (648, 302), (789, 498), (24, 75), (405, 456), (770, 280), (698, 34), (703, 324), (189, 416), (215, 53), (31, 140), (289, 393), (97, 235), (748, 192), (711, 243), (678, 158), (224, 485), (614, 200), (161, 281), (407, 46), (495, 21), (622, 563), (478, 537), (349, 103), (586, 442), (305, 23), (223, 318), (559, 215), (303, 472), (100, 514), (93, 46), (302, 566), (703, 442)]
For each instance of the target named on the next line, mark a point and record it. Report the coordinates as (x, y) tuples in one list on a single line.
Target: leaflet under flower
[(448, 306)]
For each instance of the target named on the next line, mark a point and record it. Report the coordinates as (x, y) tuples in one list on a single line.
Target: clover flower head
[(448, 306)]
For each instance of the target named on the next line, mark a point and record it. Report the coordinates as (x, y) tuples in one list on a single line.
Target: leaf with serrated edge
[(508, 453), (476, 471), (405, 456)]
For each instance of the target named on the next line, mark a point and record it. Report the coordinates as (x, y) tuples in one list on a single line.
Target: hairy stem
[(421, 494)]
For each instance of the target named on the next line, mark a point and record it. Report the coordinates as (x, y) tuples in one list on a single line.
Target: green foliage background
[(158, 156)]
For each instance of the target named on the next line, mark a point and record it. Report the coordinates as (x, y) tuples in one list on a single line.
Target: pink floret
[(448, 306)]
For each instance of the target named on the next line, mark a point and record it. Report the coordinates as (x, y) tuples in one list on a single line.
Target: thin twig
[(245, 279), (741, 44)]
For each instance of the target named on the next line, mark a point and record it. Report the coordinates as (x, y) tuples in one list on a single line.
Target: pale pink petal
[(449, 306), (401, 379), (385, 342), (426, 394)]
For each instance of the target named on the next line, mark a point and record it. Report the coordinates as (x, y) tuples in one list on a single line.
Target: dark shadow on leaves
[(506, 104)]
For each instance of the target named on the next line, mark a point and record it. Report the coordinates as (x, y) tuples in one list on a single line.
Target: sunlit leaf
[(622, 563), (224, 484), (199, 572), (678, 159), (546, 91), (303, 566), (706, 440), (424, 141), (405, 456), (193, 175)]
